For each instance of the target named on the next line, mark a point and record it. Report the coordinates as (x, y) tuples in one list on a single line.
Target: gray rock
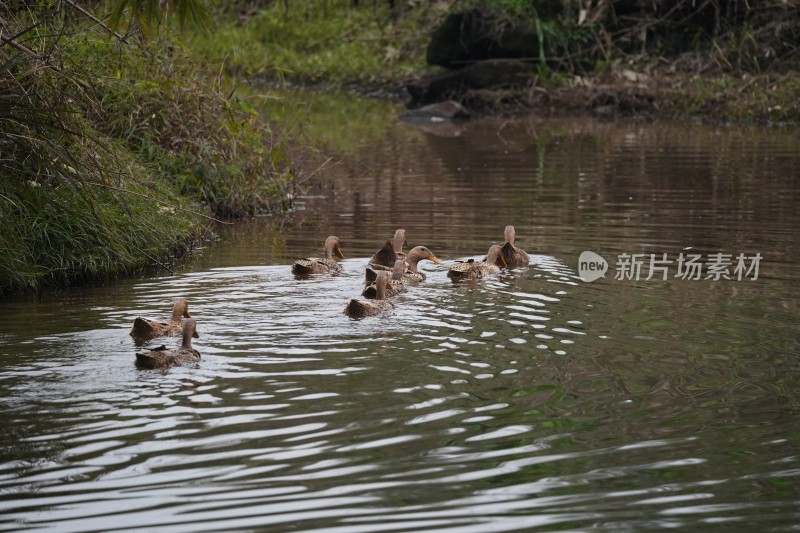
[(439, 112)]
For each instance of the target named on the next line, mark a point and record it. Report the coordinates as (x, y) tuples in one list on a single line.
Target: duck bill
[(502, 261), (187, 314), (339, 253), (195, 335), (434, 259)]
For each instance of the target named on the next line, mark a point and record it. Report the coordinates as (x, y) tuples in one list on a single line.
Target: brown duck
[(145, 328), (317, 265), (476, 270), (396, 285), (417, 254), (161, 357), (362, 308), (391, 251), (514, 257)]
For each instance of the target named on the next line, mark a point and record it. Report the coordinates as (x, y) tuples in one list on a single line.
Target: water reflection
[(529, 400)]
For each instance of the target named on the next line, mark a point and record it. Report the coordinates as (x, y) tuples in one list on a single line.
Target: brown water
[(529, 401)]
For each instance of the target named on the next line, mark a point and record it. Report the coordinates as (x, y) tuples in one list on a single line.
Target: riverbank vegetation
[(114, 153), (727, 60), (121, 134), (327, 42)]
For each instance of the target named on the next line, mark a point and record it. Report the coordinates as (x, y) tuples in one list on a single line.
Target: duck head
[(399, 270), (180, 309), (417, 254), (189, 331), (399, 240), (495, 256), (332, 248), (381, 283), (510, 234)]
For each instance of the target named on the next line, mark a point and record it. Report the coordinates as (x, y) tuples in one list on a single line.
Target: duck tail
[(457, 275), (140, 325), (507, 251), (358, 309), (386, 256), (371, 292), (301, 268), (370, 275), (144, 360)]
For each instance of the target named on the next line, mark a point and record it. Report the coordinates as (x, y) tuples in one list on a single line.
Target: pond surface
[(529, 401)]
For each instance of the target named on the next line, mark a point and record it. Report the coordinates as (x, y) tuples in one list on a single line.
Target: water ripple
[(528, 400)]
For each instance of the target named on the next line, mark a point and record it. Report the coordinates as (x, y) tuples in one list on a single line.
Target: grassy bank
[(719, 60), (190, 126), (115, 155), (318, 42)]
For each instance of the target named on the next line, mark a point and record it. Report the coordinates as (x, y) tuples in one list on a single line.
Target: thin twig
[(25, 50), (317, 170), (499, 132), (159, 263), (159, 201), (120, 38), (38, 57)]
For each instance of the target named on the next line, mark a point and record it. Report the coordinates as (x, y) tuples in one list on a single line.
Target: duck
[(514, 257), (145, 328), (391, 251), (163, 358), (464, 270), (396, 285), (317, 265), (362, 308), (415, 255)]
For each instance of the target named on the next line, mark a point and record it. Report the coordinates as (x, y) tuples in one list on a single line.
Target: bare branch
[(120, 38)]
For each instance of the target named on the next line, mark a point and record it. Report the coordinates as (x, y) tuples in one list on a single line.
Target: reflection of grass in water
[(330, 120)]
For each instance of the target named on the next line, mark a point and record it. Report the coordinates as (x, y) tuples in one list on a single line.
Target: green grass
[(190, 126), (320, 41), (106, 216), (110, 161), (75, 204)]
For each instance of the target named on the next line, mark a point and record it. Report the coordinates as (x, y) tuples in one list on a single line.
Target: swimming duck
[(472, 270), (514, 257), (161, 357), (317, 265), (396, 285), (362, 308), (391, 251), (144, 328), (417, 254)]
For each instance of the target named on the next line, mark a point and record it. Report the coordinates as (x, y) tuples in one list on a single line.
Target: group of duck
[(388, 273), (389, 270)]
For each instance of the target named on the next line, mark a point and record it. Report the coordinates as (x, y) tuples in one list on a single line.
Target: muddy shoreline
[(765, 100)]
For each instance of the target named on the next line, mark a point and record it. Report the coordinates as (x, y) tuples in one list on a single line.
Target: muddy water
[(529, 401)]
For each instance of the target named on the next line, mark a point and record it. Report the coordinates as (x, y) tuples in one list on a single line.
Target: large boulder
[(476, 35)]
